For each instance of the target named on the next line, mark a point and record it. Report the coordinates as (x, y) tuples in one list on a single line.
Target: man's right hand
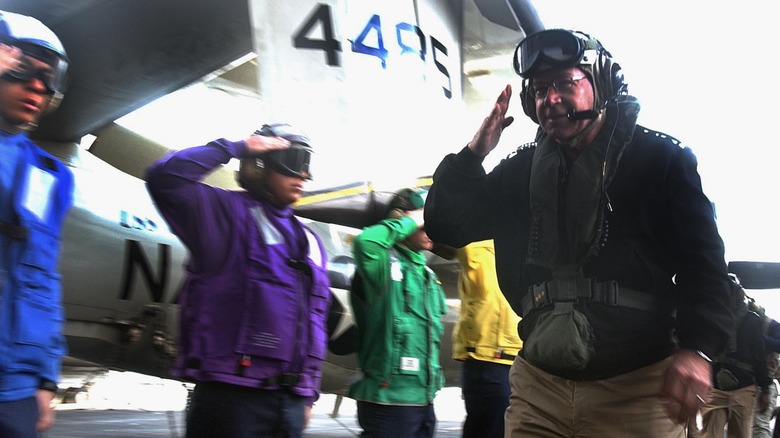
[(260, 144), (486, 138)]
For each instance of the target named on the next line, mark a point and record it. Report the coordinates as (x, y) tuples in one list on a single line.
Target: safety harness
[(583, 288)]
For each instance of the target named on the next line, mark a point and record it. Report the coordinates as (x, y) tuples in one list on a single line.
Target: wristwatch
[(703, 356)]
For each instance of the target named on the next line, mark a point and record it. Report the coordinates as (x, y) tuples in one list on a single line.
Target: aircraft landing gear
[(75, 395), (337, 406)]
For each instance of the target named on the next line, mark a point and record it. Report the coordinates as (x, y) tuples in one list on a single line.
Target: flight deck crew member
[(741, 381), (771, 336), (606, 246), (485, 339), (256, 295), (398, 304), (36, 193)]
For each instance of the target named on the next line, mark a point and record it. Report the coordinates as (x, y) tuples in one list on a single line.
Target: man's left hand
[(45, 410), (306, 416), (763, 401)]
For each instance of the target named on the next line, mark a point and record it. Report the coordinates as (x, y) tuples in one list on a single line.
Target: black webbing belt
[(284, 380), (734, 363), (581, 288), (497, 354)]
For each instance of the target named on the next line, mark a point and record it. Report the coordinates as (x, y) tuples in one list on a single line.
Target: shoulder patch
[(662, 136), (522, 147)]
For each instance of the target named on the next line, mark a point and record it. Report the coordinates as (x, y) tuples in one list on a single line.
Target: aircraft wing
[(756, 275), (355, 205)]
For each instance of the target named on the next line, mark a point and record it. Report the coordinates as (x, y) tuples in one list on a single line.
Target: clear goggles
[(293, 161), (51, 74), (550, 49)]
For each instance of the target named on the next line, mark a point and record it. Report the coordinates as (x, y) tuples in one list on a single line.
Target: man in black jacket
[(606, 246), (739, 374)]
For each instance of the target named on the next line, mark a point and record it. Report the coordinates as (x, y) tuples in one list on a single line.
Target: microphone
[(581, 115)]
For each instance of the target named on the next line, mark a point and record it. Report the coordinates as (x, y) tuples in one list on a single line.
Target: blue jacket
[(36, 192), (255, 298)]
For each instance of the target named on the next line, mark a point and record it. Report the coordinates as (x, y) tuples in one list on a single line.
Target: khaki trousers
[(542, 405), (761, 426), (734, 409)]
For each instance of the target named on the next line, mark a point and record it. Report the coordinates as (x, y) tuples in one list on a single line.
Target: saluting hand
[(9, 57), (486, 138), (260, 144)]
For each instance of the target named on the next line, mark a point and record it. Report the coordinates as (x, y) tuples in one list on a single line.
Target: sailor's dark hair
[(406, 200)]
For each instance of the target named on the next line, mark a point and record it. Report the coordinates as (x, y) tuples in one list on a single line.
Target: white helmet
[(37, 41)]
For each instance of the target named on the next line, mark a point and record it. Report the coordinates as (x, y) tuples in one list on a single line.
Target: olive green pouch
[(726, 380), (562, 340)]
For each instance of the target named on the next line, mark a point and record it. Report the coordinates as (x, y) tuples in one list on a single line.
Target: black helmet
[(291, 161), (561, 48)]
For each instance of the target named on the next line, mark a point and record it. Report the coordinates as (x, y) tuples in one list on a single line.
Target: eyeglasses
[(562, 86), (551, 48), (53, 77)]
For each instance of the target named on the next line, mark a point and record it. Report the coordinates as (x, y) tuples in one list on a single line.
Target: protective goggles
[(293, 161), (28, 68), (552, 48)]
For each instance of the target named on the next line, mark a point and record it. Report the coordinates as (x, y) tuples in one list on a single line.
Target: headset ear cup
[(611, 75), (618, 81), (528, 102), (249, 173)]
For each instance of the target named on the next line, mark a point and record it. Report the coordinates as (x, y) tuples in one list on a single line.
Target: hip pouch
[(726, 380), (562, 340)]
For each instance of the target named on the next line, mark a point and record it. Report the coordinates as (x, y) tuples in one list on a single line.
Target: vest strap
[(14, 231), (734, 363)]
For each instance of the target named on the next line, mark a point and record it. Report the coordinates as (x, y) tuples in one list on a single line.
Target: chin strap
[(10, 128)]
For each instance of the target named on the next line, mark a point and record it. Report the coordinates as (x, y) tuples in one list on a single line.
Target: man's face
[(23, 101), (419, 241), (284, 189), (557, 92)]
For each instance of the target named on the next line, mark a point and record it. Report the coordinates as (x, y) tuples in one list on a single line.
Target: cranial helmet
[(293, 161), (405, 200), (561, 48), (36, 41), (737, 291)]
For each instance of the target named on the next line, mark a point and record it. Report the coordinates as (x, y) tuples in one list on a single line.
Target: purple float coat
[(255, 298)]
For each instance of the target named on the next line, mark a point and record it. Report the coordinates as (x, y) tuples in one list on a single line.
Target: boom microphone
[(581, 115)]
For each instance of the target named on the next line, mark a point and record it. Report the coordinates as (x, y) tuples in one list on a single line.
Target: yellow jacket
[(487, 326)]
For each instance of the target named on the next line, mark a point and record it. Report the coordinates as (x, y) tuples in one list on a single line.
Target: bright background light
[(703, 72)]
